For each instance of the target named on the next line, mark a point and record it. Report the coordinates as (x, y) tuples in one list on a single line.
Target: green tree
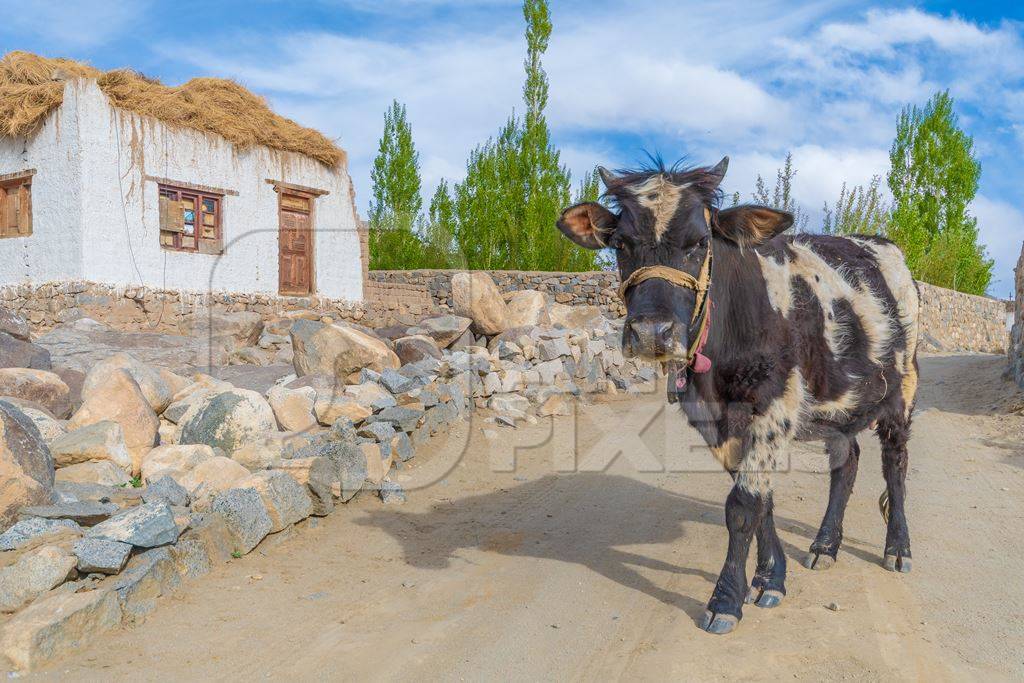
[(933, 179), (440, 249), (860, 211), (515, 185), (396, 204), (589, 189), (781, 196)]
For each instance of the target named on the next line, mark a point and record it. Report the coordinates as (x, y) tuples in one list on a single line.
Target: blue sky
[(824, 79)]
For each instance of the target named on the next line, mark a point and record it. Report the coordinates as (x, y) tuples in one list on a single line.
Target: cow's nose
[(644, 337)]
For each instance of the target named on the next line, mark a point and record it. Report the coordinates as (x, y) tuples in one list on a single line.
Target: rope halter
[(701, 309)]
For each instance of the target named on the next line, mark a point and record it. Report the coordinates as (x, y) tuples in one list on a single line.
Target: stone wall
[(1017, 334), (950, 321), (597, 288)]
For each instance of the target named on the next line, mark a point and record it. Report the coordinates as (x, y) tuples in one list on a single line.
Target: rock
[(378, 431), (396, 383), (318, 475), (75, 381), (49, 427), (475, 296), (85, 513), (143, 526), (378, 458), (401, 447), (13, 324), (26, 466), (238, 328), (293, 408), (40, 386), (552, 349), (230, 420), (166, 490), (443, 329), (32, 575), (148, 576), (174, 461), (466, 340), (121, 400), (391, 493), (101, 556), (575, 317), (93, 443), (349, 463), (337, 350), (157, 391), (416, 348), (329, 408), (245, 515), (74, 492), (404, 419), (35, 530), (371, 395), (527, 307), (104, 472), (60, 623), (508, 403), (286, 500), (212, 476), (206, 543), (15, 353), (555, 404)]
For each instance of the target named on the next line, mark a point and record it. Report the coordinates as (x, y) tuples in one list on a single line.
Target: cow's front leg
[(744, 511), (768, 586)]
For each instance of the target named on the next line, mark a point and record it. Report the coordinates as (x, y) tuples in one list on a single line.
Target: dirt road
[(543, 574)]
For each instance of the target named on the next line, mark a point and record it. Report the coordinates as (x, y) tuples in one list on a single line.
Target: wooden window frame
[(203, 245), (16, 205)]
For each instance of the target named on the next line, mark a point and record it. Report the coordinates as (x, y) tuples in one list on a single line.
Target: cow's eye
[(652, 196)]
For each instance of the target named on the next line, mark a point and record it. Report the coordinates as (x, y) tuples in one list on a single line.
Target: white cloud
[(78, 24)]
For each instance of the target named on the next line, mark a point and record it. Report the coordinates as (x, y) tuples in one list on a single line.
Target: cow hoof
[(719, 624), (897, 563), (818, 561), (764, 597)]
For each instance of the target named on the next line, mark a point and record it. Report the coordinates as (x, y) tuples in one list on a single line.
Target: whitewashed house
[(102, 193)]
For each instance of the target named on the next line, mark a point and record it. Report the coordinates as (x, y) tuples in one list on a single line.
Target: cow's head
[(665, 217)]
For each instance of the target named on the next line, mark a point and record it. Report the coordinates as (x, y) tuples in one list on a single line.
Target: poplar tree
[(860, 211), (395, 208)]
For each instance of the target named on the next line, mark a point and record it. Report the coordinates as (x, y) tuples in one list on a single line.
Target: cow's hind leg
[(893, 432), (843, 455), (768, 586)]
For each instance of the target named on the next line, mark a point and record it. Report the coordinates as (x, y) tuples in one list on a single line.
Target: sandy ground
[(566, 567)]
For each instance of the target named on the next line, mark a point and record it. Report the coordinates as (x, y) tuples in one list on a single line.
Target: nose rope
[(701, 310)]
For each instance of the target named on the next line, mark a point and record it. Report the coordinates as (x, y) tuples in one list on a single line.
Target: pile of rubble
[(118, 489)]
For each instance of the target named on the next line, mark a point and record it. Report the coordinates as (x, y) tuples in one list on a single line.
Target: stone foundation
[(1016, 349)]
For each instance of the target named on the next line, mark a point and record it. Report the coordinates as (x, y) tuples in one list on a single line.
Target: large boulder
[(230, 420), (527, 307), (174, 461), (337, 350), (121, 400), (33, 574), (477, 297), (26, 466), (238, 328), (575, 317), (103, 472), (49, 427), (100, 441), (13, 324), (416, 348), (293, 408), (16, 353), (287, 501), (213, 476), (40, 386), (154, 387), (443, 329)]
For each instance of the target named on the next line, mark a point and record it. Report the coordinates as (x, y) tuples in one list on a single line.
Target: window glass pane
[(209, 220), (190, 229), (209, 205), (190, 216), (188, 203)]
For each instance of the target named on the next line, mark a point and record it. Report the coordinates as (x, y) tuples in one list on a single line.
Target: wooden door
[(296, 245)]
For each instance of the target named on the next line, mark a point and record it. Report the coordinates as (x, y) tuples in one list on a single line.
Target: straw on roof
[(32, 86)]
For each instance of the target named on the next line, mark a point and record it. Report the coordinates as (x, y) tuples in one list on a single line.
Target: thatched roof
[(32, 86)]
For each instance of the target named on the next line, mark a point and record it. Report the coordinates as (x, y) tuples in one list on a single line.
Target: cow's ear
[(588, 224), (751, 225)]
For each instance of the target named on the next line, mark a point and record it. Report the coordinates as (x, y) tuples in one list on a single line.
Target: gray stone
[(13, 324), (167, 490), (150, 575), (403, 449), (33, 530), (231, 420), (122, 496), (395, 382), (319, 474), (101, 556), (443, 329), (404, 419), (32, 575), (416, 348), (145, 526), (378, 431), (84, 512), (350, 463), (245, 515), (26, 464), (15, 353), (286, 501), (391, 493), (550, 349)]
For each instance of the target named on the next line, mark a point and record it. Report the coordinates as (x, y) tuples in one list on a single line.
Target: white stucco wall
[(119, 222), (54, 249)]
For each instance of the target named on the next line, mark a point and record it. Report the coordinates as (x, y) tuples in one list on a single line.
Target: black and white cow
[(808, 337)]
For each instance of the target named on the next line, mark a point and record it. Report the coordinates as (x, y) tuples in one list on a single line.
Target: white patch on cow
[(832, 284), (776, 281), (661, 198), (836, 408), (900, 282), (770, 436)]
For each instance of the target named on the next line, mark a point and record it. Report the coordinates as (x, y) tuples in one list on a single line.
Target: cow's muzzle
[(653, 339)]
